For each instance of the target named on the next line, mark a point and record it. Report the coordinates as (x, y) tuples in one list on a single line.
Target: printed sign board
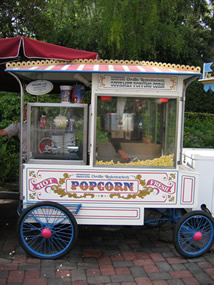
[(137, 82), (39, 87)]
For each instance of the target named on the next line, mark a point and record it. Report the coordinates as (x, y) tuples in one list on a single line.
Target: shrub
[(198, 130)]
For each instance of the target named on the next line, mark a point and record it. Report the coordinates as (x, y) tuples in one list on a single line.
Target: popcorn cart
[(113, 159)]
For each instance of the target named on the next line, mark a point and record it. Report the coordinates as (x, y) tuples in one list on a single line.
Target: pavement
[(102, 255)]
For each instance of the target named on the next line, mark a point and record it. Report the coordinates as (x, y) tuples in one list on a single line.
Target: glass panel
[(56, 133), (135, 131)]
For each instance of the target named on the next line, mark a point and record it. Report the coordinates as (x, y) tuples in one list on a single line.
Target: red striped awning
[(105, 68)]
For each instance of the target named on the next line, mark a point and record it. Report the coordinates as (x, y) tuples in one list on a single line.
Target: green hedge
[(198, 130)]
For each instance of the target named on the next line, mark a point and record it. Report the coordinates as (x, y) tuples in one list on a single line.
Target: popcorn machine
[(109, 160)]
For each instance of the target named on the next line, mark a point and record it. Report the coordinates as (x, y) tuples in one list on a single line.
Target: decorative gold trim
[(10, 65)]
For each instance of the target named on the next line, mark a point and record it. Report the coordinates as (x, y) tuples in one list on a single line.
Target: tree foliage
[(168, 31), (178, 31), (23, 18)]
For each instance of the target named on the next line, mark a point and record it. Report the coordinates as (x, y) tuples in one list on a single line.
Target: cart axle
[(197, 236), (46, 233)]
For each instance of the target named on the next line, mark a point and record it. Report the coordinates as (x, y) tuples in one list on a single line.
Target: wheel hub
[(46, 233), (197, 236)]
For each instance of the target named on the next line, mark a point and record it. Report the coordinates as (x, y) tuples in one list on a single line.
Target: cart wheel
[(193, 234), (47, 230)]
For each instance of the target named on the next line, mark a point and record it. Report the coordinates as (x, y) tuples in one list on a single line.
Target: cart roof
[(62, 70)]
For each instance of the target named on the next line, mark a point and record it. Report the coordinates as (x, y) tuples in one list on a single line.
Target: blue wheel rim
[(190, 226), (53, 219)]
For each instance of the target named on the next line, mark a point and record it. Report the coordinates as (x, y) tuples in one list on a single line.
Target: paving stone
[(117, 257), (79, 283), (157, 257), (33, 260), (111, 252), (64, 264), (151, 268), (63, 274), (3, 274), (141, 255), (3, 281), (32, 274), (74, 259), (9, 266), (193, 267), (129, 255), (107, 269), (93, 272), (143, 281), (168, 254), (203, 278), (78, 275), (121, 278), (92, 253), (104, 260), (13, 283), (26, 267), (137, 271), (199, 259), (204, 264), (40, 281), (90, 260), (5, 260), (122, 271), (87, 265), (178, 267), (180, 274), (98, 279), (47, 263), (159, 276), (211, 260), (16, 276), (122, 263), (47, 272), (58, 281), (159, 282), (176, 282), (191, 281), (163, 266), (176, 260), (20, 258), (143, 262), (209, 271)]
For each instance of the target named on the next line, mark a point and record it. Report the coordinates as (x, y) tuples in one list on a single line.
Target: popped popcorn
[(167, 160), (60, 122)]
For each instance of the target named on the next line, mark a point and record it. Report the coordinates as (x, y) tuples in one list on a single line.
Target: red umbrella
[(22, 48), (10, 48)]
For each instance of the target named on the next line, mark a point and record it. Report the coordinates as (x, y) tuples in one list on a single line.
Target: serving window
[(133, 131), (57, 132)]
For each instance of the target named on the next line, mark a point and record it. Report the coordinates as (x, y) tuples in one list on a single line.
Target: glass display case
[(135, 131), (57, 132)]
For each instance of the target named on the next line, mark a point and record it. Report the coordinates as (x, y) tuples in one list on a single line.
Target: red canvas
[(10, 47)]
